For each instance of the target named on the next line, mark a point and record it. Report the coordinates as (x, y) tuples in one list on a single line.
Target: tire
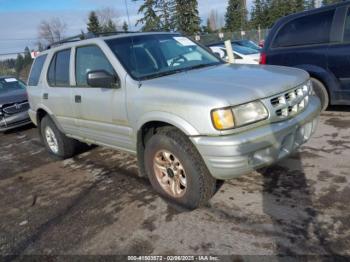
[(191, 170), (321, 92), (66, 147)]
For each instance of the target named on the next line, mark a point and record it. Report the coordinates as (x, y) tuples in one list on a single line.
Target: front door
[(101, 110)]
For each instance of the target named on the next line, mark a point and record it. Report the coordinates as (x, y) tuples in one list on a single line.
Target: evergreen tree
[(19, 64), (27, 60), (165, 9), (125, 26), (109, 27), (186, 18), (93, 25), (236, 16), (257, 14), (150, 20), (208, 28), (328, 2)]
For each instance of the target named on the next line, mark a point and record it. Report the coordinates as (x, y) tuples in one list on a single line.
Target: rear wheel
[(176, 170), (57, 143), (321, 92)]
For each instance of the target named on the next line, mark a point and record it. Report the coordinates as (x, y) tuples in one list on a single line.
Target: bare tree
[(51, 31), (214, 21)]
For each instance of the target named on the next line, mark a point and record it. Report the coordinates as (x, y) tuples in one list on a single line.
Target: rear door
[(57, 96), (101, 110), (339, 54)]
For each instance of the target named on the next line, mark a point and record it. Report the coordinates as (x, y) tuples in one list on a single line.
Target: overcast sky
[(19, 19)]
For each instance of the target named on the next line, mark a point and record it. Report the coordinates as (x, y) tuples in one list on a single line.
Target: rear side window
[(90, 58), (36, 70), (347, 28), (307, 30), (58, 73)]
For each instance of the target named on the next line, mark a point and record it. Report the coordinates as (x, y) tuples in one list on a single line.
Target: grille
[(16, 108), (291, 103)]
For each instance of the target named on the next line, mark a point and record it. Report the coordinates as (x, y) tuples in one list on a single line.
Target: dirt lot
[(96, 203)]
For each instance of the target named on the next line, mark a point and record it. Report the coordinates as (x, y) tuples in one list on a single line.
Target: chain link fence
[(254, 35)]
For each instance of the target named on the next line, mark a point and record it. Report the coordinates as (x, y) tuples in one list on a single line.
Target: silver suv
[(190, 118)]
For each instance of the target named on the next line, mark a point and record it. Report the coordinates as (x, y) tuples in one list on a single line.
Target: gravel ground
[(96, 203)]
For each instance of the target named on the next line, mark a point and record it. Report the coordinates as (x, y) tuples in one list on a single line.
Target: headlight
[(223, 118), (233, 117)]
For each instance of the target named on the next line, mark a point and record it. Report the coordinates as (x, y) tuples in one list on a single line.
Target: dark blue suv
[(317, 41)]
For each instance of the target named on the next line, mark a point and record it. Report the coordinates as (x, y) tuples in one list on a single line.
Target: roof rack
[(84, 36)]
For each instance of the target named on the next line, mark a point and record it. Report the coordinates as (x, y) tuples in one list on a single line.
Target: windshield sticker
[(184, 41), (9, 80)]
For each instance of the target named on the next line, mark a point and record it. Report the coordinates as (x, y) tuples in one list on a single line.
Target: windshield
[(249, 44), (9, 84), (149, 56), (244, 50)]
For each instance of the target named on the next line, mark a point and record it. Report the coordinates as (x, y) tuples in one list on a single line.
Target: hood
[(14, 96), (235, 84)]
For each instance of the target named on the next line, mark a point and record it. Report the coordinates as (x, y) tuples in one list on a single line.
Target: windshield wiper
[(201, 66), (180, 70)]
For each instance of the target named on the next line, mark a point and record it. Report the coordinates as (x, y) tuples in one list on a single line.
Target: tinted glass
[(51, 72), (244, 50), (347, 28), (90, 58), (149, 56), (58, 73), (308, 30), (62, 68), (36, 70), (9, 84)]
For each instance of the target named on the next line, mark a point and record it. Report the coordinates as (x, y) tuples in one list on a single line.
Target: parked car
[(189, 117), (247, 43), (317, 41), (242, 54), (13, 103)]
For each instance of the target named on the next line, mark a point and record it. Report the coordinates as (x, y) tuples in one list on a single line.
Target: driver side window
[(87, 59)]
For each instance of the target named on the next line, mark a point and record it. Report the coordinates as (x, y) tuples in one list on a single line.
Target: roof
[(315, 10), (71, 41)]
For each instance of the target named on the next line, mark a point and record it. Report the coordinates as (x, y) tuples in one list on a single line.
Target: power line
[(19, 39), (14, 53)]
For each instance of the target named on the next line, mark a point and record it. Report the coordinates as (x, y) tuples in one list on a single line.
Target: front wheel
[(176, 170)]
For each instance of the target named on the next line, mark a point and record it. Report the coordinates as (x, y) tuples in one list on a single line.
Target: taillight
[(262, 59)]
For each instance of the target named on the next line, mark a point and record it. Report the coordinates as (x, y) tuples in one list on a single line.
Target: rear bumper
[(231, 156), (14, 121)]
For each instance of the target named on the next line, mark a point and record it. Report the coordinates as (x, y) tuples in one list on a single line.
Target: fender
[(325, 76), (171, 119), (52, 116)]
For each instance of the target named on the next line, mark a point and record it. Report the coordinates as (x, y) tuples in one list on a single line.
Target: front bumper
[(231, 156), (13, 121)]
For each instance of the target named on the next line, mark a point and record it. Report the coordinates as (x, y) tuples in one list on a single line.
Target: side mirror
[(101, 78)]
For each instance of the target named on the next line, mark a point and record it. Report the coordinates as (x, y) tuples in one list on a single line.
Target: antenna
[(127, 12)]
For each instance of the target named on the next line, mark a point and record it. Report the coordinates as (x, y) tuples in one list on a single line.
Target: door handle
[(45, 96), (77, 99)]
